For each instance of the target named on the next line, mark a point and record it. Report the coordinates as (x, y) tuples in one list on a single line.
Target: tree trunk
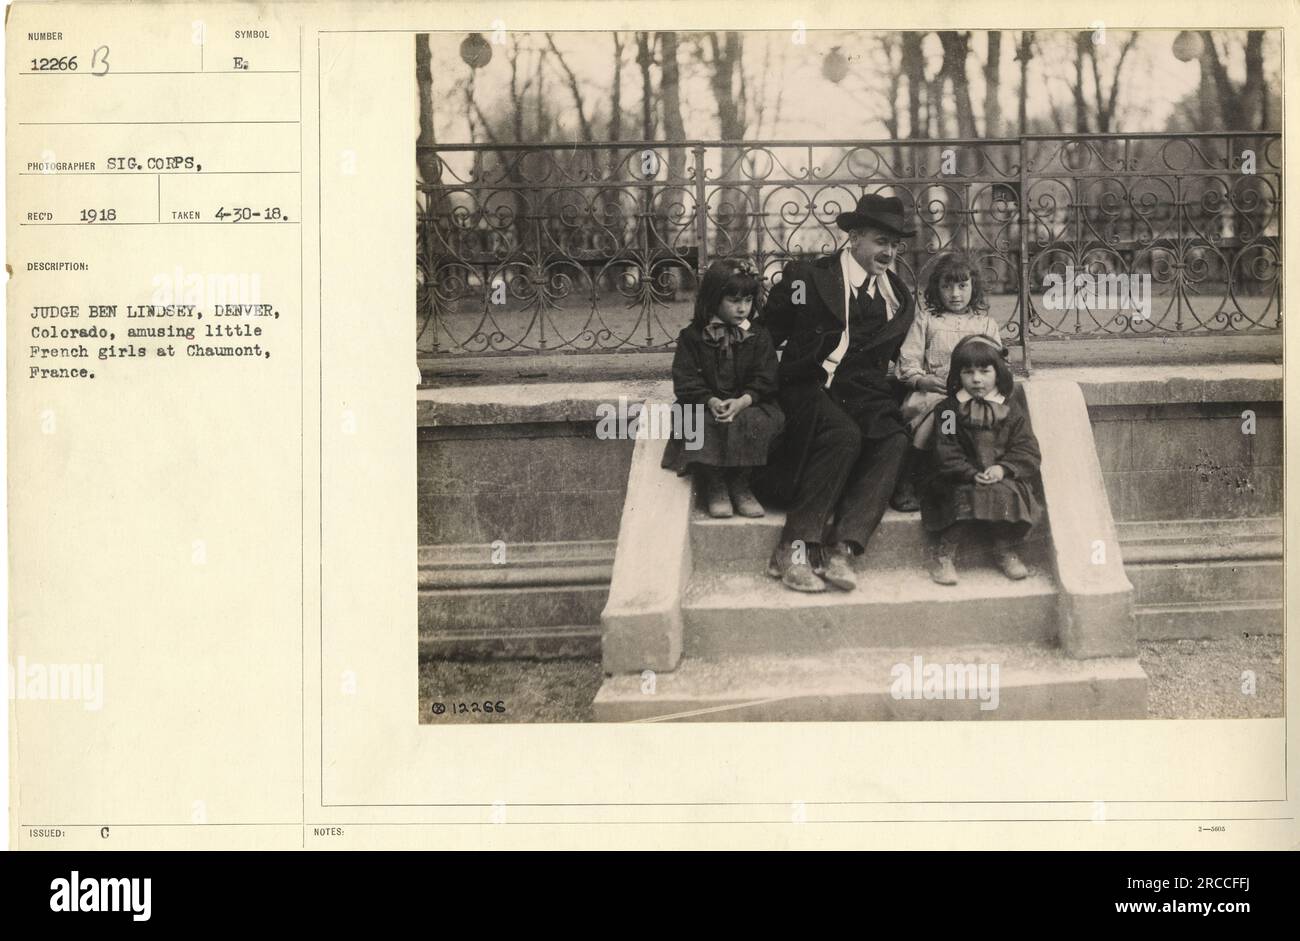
[(993, 85), (426, 161), (616, 92), (728, 83), (727, 80), (671, 101), (1081, 43), (1025, 53), (1233, 112), (956, 47), (1250, 97), (644, 58), (914, 70)]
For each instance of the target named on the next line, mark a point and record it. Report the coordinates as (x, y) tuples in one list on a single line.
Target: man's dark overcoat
[(811, 331)]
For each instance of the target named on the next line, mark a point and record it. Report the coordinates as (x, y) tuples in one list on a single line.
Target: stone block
[(500, 609), (1207, 620), (1187, 443), (641, 626), (589, 514), (1191, 582), (1096, 599), (445, 517), (1114, 440), (575, 463), (516, 517), (474, 465)]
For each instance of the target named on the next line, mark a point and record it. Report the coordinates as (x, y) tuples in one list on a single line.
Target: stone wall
[(1197, 504), (1192, 461), (518, 506)]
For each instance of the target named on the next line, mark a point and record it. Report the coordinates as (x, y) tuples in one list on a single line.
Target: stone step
[(457, 610), (1198, 619), (1206, 582), (751, 614), (866, 684), (740, 545)]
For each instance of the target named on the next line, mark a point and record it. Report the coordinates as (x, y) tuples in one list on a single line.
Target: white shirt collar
[(963, 396), (854, 273), (855, 276)]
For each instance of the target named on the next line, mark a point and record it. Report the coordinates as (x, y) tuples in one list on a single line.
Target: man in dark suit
[(841, 319)]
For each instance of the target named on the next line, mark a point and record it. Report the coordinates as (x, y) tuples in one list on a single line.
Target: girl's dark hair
[(975, 351), (726, 277), (955, 266)]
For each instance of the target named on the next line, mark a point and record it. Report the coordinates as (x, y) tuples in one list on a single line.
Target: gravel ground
[(1204, 679), (1189, 679)]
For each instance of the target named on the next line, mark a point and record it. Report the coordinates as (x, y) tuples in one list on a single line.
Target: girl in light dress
[(955, 307)]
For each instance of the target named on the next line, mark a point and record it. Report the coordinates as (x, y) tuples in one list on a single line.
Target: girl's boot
[(1004, 550), (944, 570), (716, 496), (742, 498)]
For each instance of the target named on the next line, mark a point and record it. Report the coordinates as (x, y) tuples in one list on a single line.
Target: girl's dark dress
[(726, 362), (986, 433)]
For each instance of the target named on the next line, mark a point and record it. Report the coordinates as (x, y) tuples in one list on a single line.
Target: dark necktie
[(869, 313)]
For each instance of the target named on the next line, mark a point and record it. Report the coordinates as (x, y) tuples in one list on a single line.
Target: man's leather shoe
[(797, 576), (839, 568)]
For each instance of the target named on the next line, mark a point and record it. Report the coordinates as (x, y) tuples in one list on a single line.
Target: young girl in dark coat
[(727, 366), (986, 461)]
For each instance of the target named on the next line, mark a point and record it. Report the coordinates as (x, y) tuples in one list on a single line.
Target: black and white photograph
[(811, 375)]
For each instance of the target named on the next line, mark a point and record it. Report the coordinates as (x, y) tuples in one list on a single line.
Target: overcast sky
[(811, 105)]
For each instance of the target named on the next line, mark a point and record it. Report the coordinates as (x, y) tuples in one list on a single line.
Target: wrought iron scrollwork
[(593, 248)]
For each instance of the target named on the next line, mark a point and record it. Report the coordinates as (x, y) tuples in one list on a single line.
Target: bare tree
[(761, 113), (473, 110), (1106, 101), (956, 47), (616, 92), (1024, 53), (727, 79), (725, 62), (644, 59), (671, 102), (913, 63), (542, 116), (993, 85), (518, 92), (425, 159), (1082, 43), (584, 126), (1247, 107)]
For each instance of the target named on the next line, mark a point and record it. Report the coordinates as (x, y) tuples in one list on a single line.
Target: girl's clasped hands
[(725, 410)]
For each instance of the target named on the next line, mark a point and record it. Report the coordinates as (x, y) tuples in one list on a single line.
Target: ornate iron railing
[(597, 247)]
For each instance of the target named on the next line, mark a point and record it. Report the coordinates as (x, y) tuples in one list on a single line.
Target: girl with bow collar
[(986, 461), (725, 367)]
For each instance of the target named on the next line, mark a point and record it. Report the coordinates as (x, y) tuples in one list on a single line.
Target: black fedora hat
[(879, 212)]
